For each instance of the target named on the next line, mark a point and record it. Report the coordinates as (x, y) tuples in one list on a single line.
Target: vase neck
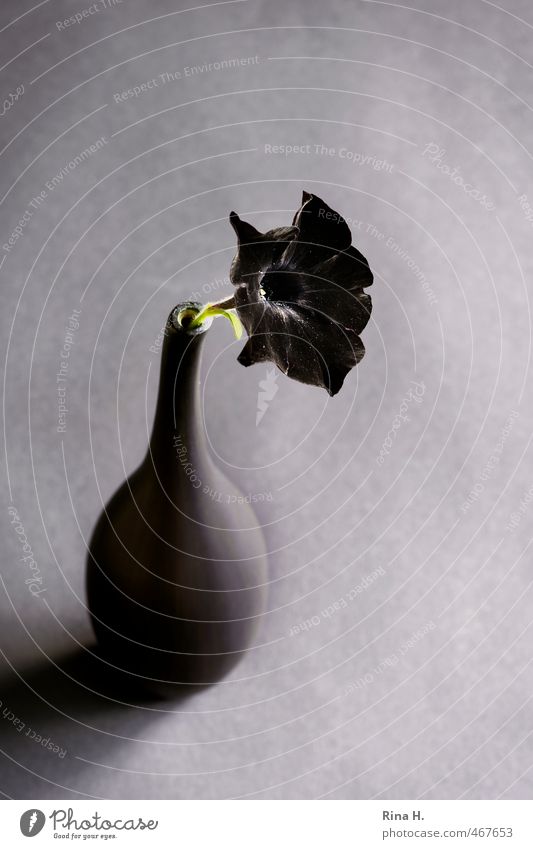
[(178, 433)]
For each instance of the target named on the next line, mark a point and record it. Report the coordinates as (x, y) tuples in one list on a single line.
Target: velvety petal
[(317, 292), (279, 239), (350, 310), (319, 223), (256, 251), (246, 233), (318, 352), (348, 268), (299, 292), (322, 232), (255, 351)]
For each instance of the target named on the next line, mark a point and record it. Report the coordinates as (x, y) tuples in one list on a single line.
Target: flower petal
[(317, 352), (322, 232), (256, 251), (299, 292), (319, 223), (246, 233)]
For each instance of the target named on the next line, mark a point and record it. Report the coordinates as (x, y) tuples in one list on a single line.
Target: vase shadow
[(64, 716)]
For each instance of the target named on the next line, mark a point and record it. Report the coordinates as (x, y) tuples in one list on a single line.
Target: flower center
[(281, 286)]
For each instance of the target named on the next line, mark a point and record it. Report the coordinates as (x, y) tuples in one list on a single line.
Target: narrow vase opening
[(182, 316)]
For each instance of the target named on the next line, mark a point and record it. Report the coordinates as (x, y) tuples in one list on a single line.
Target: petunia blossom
[(299, 292)]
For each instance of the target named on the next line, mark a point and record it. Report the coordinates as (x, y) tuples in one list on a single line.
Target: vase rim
[(175, 319)]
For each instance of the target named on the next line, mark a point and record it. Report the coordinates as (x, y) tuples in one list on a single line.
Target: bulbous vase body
[(177, 567)]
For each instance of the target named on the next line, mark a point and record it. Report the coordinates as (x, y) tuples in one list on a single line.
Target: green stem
[(220, 308), (226, 304)]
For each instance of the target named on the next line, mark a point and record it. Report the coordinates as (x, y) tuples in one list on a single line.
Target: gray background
[(348, 708)]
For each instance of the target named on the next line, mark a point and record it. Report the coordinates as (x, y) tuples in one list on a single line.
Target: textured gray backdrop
[(395, 659)]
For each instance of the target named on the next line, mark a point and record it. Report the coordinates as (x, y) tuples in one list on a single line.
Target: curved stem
[(227, 304), (224, 308)]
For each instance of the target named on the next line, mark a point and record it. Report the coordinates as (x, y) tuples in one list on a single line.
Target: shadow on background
[(62, 717)]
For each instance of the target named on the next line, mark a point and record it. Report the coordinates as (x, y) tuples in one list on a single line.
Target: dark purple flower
[(299, 294)]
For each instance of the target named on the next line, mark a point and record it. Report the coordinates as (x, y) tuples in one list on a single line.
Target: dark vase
[(177, 567)]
